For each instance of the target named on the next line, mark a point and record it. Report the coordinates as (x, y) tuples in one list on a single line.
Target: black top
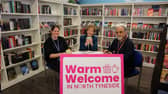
[(51, 47), (127, 49)]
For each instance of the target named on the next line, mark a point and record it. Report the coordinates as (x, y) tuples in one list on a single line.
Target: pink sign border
[(91, 55)]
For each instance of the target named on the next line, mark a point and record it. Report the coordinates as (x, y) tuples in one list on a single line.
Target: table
[(88, 52)]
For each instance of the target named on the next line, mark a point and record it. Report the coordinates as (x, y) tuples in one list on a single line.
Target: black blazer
[(49, 48), (127, 50)]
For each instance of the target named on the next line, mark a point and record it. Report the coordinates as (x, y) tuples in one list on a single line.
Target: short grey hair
[(122, 25)]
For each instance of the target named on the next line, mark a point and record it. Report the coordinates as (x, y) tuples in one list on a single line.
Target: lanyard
[(120, 46), (56, 46)]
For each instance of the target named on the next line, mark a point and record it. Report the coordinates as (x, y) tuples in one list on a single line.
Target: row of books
[(13, 6), (149, 59), (97, 23), (96, 32), (146, 35), (153, 11), (16, 57), (109, 24), (44, 9), (70, 11), (71, 41), (109, 33), (16, 24), (24, 69), (147, 26), (147, 47), (70, 32), (67, 21), (117, 12), (91, 11), (15, 41)]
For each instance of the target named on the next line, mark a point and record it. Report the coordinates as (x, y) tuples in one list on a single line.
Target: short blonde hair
[(91, 26)]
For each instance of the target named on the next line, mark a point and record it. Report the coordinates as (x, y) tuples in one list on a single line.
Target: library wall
[(114, 1)]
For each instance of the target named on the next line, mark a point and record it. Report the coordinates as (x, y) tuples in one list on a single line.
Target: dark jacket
[(85, 48), (127, 50), (49, 48)]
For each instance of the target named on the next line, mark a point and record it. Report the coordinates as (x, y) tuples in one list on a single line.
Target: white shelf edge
[(71, 15), (91, 16), (42, 42), (136, 39), (21, 78), (148, 65), (24, 46), (18, 14), (98, 36), (71, 26), (150, 52), (117, 16), (70, 4), (57, 15), (149, 16), (20, 63), (109, 37), (18, 31), (70, 36), (49, 1)]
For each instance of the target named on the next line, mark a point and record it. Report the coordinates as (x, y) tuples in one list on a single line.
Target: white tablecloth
[(87, 52)]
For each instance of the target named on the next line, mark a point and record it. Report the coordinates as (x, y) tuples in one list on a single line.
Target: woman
[(53, 47), (88, 41)]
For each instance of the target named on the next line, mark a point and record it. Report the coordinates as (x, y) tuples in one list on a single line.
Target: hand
[(69, 51), (91, 42), (107, 52), (87, 42)]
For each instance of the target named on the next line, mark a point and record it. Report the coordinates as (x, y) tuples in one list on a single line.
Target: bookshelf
[(50, 12), (21, 40), (71, 25), (149, 15)]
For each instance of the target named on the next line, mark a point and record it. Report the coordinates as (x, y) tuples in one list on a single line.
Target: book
[(149, 59), (67, 21), (92, 11), (166, 48), (146, 35), (147, 47), (34, 65), (70, 32), (117, 11), (71, 41), (164, 76), (70, 11), (14, 41), (46, 9), (24, 69), (150, 12), (154, 10), (16, 7), (11, 74), (165, 63)]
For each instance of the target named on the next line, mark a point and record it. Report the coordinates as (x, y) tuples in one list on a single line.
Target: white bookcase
[(128, 18), (74, 15), (39, 34)]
